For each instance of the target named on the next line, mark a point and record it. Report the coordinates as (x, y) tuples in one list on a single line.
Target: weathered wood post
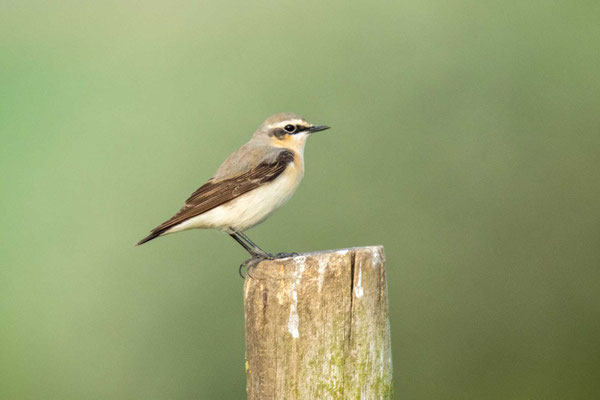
[(317, 327)]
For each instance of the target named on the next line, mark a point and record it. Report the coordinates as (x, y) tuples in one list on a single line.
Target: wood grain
[(317, 327)]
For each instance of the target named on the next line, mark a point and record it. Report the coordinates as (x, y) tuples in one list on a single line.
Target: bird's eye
[(289, 128)]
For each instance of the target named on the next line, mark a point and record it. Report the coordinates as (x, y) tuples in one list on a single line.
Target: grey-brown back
[(247, 157)]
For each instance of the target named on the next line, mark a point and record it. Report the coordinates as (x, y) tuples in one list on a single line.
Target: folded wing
[(217, 192)]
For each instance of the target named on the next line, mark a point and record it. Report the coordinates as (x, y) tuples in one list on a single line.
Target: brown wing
[(214, 193)]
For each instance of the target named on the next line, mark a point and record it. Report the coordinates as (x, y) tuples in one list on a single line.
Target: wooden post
[(317, 327)]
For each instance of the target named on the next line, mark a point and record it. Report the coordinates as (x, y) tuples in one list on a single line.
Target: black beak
[(317, 128)]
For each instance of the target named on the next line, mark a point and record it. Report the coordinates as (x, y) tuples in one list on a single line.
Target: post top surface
[(339, 251), (314, 263)]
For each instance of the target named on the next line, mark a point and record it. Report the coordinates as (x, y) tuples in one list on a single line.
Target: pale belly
[(250, 208)]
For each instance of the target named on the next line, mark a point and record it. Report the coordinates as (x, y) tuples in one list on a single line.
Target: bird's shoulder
[(250, 156)]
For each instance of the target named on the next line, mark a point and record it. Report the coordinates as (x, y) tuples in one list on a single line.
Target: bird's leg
[(250, 246), (256, 252), (254, 246), (278, 255), (241, 242)]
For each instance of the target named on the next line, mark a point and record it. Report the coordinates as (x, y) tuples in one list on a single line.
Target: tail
[(155, 233), (162, 228)]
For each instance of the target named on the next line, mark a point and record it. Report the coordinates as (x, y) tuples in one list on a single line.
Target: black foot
[(256, 258), (285, 255)]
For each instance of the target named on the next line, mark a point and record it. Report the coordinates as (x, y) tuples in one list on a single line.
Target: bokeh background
[(466, 139)]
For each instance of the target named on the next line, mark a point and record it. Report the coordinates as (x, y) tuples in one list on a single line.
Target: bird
[(252, 183)]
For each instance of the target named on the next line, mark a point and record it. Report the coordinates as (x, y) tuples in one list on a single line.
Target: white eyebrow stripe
[(291, 121)]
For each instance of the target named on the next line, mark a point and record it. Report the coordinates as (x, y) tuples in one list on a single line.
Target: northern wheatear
[(251, 184)]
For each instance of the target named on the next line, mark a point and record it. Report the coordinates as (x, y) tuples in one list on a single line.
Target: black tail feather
[(151, 236)]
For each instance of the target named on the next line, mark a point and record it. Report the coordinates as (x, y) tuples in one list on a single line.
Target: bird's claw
[(249, 263)]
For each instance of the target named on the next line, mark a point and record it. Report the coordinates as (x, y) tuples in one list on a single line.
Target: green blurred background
[(466, 139)]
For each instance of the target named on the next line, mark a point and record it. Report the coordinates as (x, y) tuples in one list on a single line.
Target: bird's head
[(287, 130)]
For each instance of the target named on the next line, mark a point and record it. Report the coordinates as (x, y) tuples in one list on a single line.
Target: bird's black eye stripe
[(289, 129)]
